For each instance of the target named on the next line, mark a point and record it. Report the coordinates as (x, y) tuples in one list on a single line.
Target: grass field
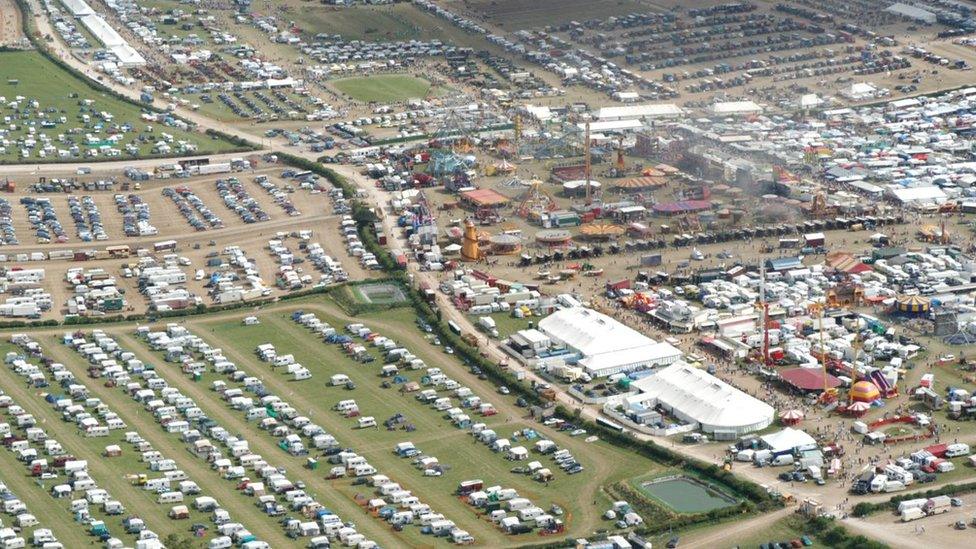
[(579, 495), (374, 23), (383, 88), (786, 529), (508, 324), (524, 14), (60, 94), (108, 473), (378, 294)]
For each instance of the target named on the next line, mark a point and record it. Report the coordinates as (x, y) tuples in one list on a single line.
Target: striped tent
[(601, 230), (638, 183), (912, 305)]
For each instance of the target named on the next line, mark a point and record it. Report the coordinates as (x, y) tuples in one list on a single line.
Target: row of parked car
[(192, 208), (390, 494), (122, 368), (238, 200), (50, 461), (8, 235), (281, 196), (44, 220), (135, 215), (87, 218)]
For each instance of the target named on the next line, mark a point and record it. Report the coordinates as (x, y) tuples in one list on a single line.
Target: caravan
[(170, 497)]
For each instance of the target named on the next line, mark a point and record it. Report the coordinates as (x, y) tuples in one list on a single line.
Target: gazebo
[(858, 408), (504, 166), (791, 417)]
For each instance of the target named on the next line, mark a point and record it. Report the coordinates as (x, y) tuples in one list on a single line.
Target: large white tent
[(608, 347), (634, 112), (693, 395)]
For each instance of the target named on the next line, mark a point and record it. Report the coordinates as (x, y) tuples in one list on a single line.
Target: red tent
[(808, 379)]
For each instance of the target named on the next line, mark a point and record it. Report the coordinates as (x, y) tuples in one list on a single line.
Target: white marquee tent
[(693, 395), (608, 346)]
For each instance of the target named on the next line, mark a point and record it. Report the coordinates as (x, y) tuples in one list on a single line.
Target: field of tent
[(444, 452), (60, 118)]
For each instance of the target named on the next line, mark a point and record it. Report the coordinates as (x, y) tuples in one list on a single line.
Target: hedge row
[(162, 315), (865, 508)]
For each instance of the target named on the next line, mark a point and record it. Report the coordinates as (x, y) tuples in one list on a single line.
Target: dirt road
[(11, 31)]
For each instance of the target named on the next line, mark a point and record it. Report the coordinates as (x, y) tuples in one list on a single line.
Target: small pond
[(687, 495)]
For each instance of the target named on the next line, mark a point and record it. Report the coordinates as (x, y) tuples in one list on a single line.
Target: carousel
[(912, 305), (553, 238), (504, 244)]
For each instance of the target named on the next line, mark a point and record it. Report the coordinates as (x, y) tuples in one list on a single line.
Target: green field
[(383, 88), (376, 294), (375, 23), (508, 324), (580, 495), (786, 529), (526, 14), (109, 473), (59, 95)]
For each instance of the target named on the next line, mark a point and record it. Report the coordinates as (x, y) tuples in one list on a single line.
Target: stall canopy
[(786, 440), (484, 198)]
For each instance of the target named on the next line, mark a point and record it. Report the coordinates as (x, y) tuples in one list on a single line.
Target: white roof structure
[(580, 184), (911, 12), (655, 110), (786, 440), (919, 194), (608, 346), (78, 8), (810, 100), (861, 90), (541, 113), (694, 395), (736, 107), (113, 41), (613, 125), (904, 103)]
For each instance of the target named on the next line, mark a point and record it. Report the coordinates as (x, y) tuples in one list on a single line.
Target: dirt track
[(10, 27)]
